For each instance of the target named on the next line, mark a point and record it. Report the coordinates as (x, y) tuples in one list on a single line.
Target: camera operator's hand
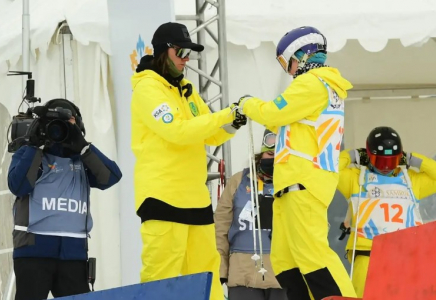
[(76, 141)]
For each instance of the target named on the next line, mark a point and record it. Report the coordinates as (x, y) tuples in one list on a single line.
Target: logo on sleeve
[(168, 118), (194, 109), (280, 102), (160, 111)]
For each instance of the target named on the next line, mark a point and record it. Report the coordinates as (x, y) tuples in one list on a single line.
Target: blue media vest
[(59, 204)]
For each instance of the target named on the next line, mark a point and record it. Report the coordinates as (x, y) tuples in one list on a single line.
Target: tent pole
[(224, 89), (25, 57)]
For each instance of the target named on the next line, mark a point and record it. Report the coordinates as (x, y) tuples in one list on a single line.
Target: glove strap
[(85, 149)]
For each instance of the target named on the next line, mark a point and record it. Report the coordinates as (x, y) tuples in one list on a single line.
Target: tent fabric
[(372, 22), (249, 22), (87, 19)]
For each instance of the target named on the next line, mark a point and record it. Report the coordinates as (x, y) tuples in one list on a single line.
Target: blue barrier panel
[(190, 287)]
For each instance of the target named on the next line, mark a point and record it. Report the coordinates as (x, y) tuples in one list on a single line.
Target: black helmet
[(384, 149)]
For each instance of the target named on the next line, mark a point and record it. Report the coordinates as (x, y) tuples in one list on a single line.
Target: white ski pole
[(256, 197), (253, 188), (361, 182)]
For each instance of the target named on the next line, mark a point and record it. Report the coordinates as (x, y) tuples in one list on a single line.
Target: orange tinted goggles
[(385, 164)]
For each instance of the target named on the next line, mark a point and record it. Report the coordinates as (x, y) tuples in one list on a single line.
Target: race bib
[(384, 215)]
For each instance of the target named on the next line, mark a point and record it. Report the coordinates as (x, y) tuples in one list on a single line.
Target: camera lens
[(57, 131)]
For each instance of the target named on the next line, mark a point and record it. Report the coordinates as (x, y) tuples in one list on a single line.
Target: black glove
[(403, 160), (363, 156), (239, 119), (75, 141), (344, 230), (223, 280)]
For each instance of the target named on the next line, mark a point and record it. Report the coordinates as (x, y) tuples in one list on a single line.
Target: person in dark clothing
[(52, 219)]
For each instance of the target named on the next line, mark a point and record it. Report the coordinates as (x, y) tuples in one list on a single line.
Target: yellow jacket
[(423, 185), (306, 98), (169, 142)]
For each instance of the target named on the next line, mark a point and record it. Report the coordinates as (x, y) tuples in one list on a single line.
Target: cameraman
[(52, 183)]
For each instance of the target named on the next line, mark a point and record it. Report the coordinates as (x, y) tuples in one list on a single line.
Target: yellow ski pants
[(300, 252), (360, 270), (171, 249)]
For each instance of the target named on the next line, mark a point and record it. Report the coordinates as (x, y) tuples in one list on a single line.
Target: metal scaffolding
[(206, 78)]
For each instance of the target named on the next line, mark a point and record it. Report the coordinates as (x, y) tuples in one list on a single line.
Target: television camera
[(42, 125)]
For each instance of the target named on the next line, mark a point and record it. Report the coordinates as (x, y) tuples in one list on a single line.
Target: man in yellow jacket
[(171, 125), (382, 193), (309, 119)]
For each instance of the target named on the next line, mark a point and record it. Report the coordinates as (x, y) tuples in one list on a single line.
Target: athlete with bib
[(309, 120), (383, 186)]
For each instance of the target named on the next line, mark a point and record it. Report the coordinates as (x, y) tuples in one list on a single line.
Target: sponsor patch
[(194, 109), (168, 118), (280, 102), (160, 111)]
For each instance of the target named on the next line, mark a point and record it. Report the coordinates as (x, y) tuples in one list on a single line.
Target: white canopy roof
[(249, 22), (372, 22), (88, 21)]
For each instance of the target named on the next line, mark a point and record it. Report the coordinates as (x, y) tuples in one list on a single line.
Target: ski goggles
[(269, 140), (385, 164), (180, 52), (284, 61)]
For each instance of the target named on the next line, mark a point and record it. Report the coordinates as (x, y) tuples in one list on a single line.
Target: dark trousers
[(247, 293), (36, 277)]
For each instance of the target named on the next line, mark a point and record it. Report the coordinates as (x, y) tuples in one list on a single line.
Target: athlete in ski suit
[(388, 193), (309, 119)]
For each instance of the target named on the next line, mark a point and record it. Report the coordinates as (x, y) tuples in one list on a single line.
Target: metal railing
[(205, 78)]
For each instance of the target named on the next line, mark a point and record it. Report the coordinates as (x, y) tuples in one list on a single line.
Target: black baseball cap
[(176, 34)]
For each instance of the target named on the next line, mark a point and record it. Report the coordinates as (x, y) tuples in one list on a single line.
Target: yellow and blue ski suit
[(423, 185), (300, 252)]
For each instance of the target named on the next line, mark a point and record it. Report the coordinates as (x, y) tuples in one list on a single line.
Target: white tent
[(385, 48)]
